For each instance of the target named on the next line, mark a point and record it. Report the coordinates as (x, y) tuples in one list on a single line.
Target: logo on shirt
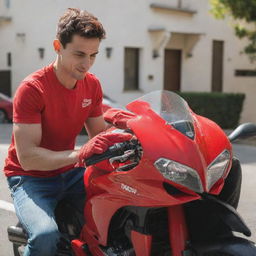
[(86, 103)]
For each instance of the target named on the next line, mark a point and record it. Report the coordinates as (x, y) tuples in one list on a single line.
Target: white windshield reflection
[(172, 108)]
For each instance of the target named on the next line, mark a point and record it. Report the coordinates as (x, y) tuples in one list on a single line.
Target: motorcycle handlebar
[(117, 149)]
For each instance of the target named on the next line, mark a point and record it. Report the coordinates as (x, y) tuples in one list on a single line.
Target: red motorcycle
[(160, 193)]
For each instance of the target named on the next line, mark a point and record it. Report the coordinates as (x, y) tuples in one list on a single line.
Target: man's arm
[(33, 157), (95, 125)]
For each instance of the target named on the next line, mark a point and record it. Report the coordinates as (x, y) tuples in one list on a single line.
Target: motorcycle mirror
[(243, 131)]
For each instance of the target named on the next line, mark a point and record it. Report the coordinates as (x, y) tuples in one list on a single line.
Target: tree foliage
[(244, 15)]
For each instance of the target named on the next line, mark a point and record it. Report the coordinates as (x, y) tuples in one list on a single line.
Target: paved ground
[(247, 207)]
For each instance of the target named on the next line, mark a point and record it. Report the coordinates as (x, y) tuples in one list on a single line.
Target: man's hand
[(101, 143), (118, 117)]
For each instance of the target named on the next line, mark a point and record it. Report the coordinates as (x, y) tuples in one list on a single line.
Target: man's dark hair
[(78, 22)]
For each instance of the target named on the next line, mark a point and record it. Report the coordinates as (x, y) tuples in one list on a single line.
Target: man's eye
[(93, 56)]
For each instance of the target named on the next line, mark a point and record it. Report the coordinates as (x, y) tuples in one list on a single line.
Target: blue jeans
[(35, 200)]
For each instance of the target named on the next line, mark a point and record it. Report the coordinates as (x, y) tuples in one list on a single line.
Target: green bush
[(222, 108)]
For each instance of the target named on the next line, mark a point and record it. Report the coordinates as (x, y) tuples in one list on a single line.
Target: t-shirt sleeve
[(96, 109), (27, 104)]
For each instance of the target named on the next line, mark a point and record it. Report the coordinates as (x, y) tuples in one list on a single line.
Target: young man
[(50, 108)]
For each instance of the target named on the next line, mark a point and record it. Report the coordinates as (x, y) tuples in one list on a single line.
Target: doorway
[(172, 70), (5, 82), (217, 65)]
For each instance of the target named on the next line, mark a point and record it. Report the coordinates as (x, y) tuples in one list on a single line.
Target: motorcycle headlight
[(217, 168), (180, 174)]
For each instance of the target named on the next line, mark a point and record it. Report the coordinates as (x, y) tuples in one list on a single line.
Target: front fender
[(210, 218), (234, 246), (228, 215)]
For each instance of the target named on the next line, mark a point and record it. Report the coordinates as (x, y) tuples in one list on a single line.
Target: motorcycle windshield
[(171, 107)]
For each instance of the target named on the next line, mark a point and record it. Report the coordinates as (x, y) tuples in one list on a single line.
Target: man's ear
[(57, 45)]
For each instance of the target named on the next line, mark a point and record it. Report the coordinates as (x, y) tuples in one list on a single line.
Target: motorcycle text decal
[(128, 189)]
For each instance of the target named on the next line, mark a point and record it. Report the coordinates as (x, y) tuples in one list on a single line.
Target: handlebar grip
[(98, 158), (115, 150)]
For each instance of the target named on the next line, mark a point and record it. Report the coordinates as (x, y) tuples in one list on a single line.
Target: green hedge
[(222, 108)]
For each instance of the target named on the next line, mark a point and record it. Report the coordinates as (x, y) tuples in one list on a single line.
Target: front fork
[(178, 234)]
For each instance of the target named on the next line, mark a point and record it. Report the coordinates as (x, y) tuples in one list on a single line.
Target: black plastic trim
[(235, 246)]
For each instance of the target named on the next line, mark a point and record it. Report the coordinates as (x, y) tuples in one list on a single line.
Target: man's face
[(78, 56)]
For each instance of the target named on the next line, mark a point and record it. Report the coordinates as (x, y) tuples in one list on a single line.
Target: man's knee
[(44, 241)]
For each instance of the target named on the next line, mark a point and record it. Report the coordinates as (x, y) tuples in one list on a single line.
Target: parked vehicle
[(5, 108), (156, 195), (110, 103)]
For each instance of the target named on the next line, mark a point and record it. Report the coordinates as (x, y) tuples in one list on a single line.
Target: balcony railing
[(169, 7)]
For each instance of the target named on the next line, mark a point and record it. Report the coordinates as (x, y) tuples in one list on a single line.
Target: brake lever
[(122, 158)]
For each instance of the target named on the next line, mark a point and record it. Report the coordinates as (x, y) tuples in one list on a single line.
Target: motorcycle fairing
[(159, 138), (104, 207), (156, 128)]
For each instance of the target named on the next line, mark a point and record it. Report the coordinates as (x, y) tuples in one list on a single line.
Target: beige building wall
[(132, 23)]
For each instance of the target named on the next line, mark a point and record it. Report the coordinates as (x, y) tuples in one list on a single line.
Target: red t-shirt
[(41, 98)]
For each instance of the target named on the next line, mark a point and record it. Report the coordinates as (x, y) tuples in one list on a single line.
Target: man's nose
[(86, 63)]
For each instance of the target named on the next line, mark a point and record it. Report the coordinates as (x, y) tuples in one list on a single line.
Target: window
[(9, 59), (131, 69), (245, 72), (7, 4)]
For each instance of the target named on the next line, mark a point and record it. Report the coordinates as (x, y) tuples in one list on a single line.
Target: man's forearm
[(42, 159)]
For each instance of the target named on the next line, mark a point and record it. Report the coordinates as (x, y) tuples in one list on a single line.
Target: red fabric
[(41, 98), (118, 117), (101, 143)]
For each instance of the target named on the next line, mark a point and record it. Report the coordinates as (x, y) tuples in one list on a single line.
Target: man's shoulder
[(34, 83), (36, 78)]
